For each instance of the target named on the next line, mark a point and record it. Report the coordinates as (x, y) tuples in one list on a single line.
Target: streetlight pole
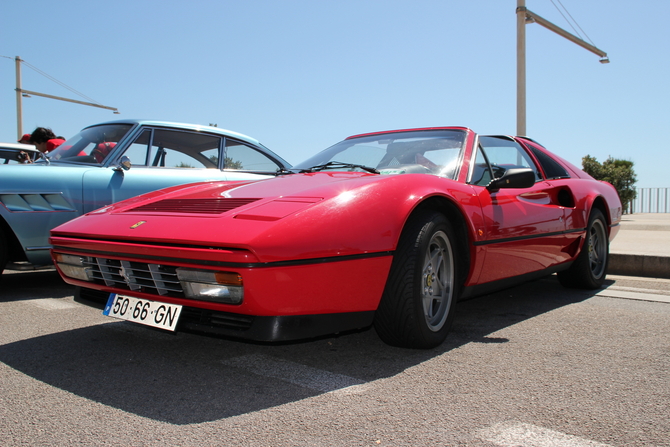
[(521, 67), (523, 16), (19, 99)]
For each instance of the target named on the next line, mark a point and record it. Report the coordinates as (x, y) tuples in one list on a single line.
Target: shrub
[(619, 173)]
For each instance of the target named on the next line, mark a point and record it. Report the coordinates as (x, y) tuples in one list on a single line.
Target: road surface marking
[(52, 304), (518, 434), (297, 374), (634, 295), (641, 290)]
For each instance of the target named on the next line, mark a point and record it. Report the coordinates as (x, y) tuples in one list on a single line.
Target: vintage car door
[(524, 227)]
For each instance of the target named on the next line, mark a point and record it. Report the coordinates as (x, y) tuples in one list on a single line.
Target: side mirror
[(513, 178), (124, 164)]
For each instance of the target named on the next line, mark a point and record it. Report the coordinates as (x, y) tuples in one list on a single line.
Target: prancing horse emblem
[(132, 227), (125, 275)]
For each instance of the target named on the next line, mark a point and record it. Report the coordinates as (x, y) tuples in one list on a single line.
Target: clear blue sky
[(300, 75)]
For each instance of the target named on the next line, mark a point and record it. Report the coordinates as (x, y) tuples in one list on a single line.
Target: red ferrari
[(388, 229)]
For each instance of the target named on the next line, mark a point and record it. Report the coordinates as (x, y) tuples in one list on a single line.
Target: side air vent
[(31, 202), (197, 206)]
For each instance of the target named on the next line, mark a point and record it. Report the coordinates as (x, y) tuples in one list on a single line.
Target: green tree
[(619, 173), (230, 163), (233, 164)]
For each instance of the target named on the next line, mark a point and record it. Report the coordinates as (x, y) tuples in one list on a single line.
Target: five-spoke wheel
[(418, 303)]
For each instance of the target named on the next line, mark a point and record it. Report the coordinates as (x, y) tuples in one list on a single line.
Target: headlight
[(72, 266), (206, 285)]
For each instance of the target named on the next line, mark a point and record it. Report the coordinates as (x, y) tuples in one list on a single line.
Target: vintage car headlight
[(72, 266), (206, 285)]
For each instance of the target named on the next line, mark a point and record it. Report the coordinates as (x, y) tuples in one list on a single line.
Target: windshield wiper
[(339, 164), (283, 171)]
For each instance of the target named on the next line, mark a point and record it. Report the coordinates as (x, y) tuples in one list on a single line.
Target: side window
[(481, 173), (138, 150), (179, 149), (163, 148), (239, 156), (551, 168), (503, 154)]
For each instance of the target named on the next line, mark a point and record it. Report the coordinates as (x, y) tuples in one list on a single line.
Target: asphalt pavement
[(642, 246)]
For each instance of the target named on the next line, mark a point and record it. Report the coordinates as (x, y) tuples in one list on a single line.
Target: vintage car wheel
[(3, 252), (418, 303), (590, 268)]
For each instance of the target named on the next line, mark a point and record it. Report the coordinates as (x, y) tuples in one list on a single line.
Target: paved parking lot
[(536, 365)]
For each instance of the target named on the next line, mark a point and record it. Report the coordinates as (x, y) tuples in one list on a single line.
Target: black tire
[(3, 251), (419, 300), (589, 270)]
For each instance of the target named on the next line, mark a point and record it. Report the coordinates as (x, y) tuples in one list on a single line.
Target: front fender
[(363, 218)]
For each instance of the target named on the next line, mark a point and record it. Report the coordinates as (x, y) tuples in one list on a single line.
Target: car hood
[(298, 216)]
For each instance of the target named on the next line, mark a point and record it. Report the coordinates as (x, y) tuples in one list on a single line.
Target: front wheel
[(418, 304), (589, 270)]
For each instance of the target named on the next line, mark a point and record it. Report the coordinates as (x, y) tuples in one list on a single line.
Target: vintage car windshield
[(92, 145), (434, 152)]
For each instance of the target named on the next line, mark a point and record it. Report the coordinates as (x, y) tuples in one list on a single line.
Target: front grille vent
[(154, 279), (196, 318), (197, 206)]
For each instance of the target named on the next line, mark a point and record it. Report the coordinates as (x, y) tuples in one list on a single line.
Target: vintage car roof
[(196, 127)]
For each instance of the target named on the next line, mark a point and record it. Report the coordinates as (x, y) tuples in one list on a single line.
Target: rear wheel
[(417, 307), (590, 268)]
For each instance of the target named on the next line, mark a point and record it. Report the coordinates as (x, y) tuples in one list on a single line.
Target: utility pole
[(524, 16), (521, 67), (19, 102), (20, 93)]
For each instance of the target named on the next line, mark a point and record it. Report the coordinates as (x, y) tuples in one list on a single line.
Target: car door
[(524, 227), (162, 158)]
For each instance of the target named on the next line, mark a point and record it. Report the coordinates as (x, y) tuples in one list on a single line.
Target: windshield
[(425, 152), (92, 145)]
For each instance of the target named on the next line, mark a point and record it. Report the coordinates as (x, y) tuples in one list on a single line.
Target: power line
[(62, 84), (573, 21)]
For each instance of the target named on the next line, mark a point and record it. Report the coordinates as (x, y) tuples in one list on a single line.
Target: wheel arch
[(14, 250), (460, 225), (600, 204)]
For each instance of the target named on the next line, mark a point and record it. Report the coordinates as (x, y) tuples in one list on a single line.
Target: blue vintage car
[(113, 161)]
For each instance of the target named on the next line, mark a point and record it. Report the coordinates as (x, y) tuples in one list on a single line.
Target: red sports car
[(388, 229)]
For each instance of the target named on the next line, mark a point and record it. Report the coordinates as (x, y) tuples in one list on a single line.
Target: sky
[(301, 75)]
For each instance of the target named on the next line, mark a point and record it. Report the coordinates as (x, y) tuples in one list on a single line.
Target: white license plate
[(150, 313)]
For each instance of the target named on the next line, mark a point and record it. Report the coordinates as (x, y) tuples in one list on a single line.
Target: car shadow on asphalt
[(30, 285), (187, 378)]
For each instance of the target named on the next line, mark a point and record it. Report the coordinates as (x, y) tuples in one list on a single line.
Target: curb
[(639, 265)]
